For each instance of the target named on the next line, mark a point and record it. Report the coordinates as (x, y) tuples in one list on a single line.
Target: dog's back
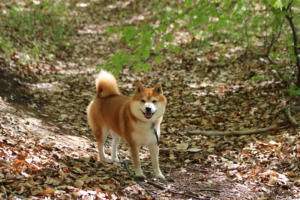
[(109, 112), (110, 109)]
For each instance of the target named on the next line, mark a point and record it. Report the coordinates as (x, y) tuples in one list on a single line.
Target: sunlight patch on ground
[(54, 86), (135, 18), (78, 71), (93, 29), (10, 115), (182, 38), (118, 4), (213, 88), (73, 68), (82, 5)]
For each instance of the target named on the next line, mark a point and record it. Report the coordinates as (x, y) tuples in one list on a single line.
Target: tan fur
[(106, 84), (122, 116)]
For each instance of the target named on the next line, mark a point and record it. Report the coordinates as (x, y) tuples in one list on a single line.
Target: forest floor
[(47, 149)]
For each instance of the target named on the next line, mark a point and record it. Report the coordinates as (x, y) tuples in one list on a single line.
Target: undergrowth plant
[(42, 26)]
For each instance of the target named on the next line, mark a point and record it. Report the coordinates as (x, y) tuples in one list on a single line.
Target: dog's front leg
[(136, 161), (154, 151)]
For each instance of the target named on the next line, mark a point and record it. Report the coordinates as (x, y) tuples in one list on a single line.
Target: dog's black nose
[(148, 109)]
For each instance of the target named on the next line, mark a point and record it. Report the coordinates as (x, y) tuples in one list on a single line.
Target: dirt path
[(47, 148)]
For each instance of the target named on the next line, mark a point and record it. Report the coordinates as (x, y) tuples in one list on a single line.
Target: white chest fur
[(144, 134)]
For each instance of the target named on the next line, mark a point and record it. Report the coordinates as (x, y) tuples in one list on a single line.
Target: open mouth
[(148, 115)]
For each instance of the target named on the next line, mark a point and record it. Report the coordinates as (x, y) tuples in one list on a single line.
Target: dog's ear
[(158, 88), (138, 87)]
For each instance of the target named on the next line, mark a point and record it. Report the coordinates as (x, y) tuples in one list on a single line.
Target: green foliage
[(244, 23), (5, 46), (39, 27), (294, 91), (256, 78)]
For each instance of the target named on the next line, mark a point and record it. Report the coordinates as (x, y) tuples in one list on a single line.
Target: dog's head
[(148, 104)]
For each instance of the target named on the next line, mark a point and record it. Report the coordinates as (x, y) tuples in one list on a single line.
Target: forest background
[(230, 70)]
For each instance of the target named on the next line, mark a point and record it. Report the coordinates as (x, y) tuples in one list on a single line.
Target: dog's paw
[(159, 175), (140, 175), (105, 160), (115, 160)]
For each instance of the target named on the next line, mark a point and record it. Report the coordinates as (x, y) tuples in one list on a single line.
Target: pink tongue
[(148, 115)]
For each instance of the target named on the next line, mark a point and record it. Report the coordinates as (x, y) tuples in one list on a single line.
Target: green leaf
[(294, 91), (146, 67), (171, 47), (129, 33), (256, 78), (226, 4), (169, 37), (161, 44), (187, 3), (137, 68), (162, 28), (278, 4), (177, 49), (158, 59)]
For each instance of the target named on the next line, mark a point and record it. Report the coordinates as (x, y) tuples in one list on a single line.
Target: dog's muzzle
[(148, 113)]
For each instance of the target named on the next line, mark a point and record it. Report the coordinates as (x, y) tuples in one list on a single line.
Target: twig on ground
[(169, 190), (288, 115), (198, 170), (281, 77), (243, 132), (295, 108), (146, 189), (209, 190), (183, 194), (155, 185), (291, 119), (125, 163)]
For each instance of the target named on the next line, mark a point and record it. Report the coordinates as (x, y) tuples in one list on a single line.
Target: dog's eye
[(154, 101), (143, 101)]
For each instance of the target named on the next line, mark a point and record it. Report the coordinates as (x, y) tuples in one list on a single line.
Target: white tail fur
[(106, 84)]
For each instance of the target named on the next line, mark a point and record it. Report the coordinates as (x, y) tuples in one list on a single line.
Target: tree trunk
[(295, 39)]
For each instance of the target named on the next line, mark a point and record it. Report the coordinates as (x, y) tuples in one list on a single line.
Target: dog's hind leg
[(101, 135), (114, 147)]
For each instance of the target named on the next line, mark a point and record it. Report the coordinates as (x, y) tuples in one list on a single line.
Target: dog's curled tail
[(106, 84)]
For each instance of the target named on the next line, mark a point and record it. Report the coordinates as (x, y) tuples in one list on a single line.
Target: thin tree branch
[(273, 41)]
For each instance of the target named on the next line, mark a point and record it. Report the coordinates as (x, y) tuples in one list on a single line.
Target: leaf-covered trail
[(47, 148)]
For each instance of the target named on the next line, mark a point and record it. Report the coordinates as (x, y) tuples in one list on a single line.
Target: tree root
[(290, 118), (278, 125), (243, 132)]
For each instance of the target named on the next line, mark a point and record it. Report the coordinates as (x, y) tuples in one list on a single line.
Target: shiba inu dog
[(136, 119)]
